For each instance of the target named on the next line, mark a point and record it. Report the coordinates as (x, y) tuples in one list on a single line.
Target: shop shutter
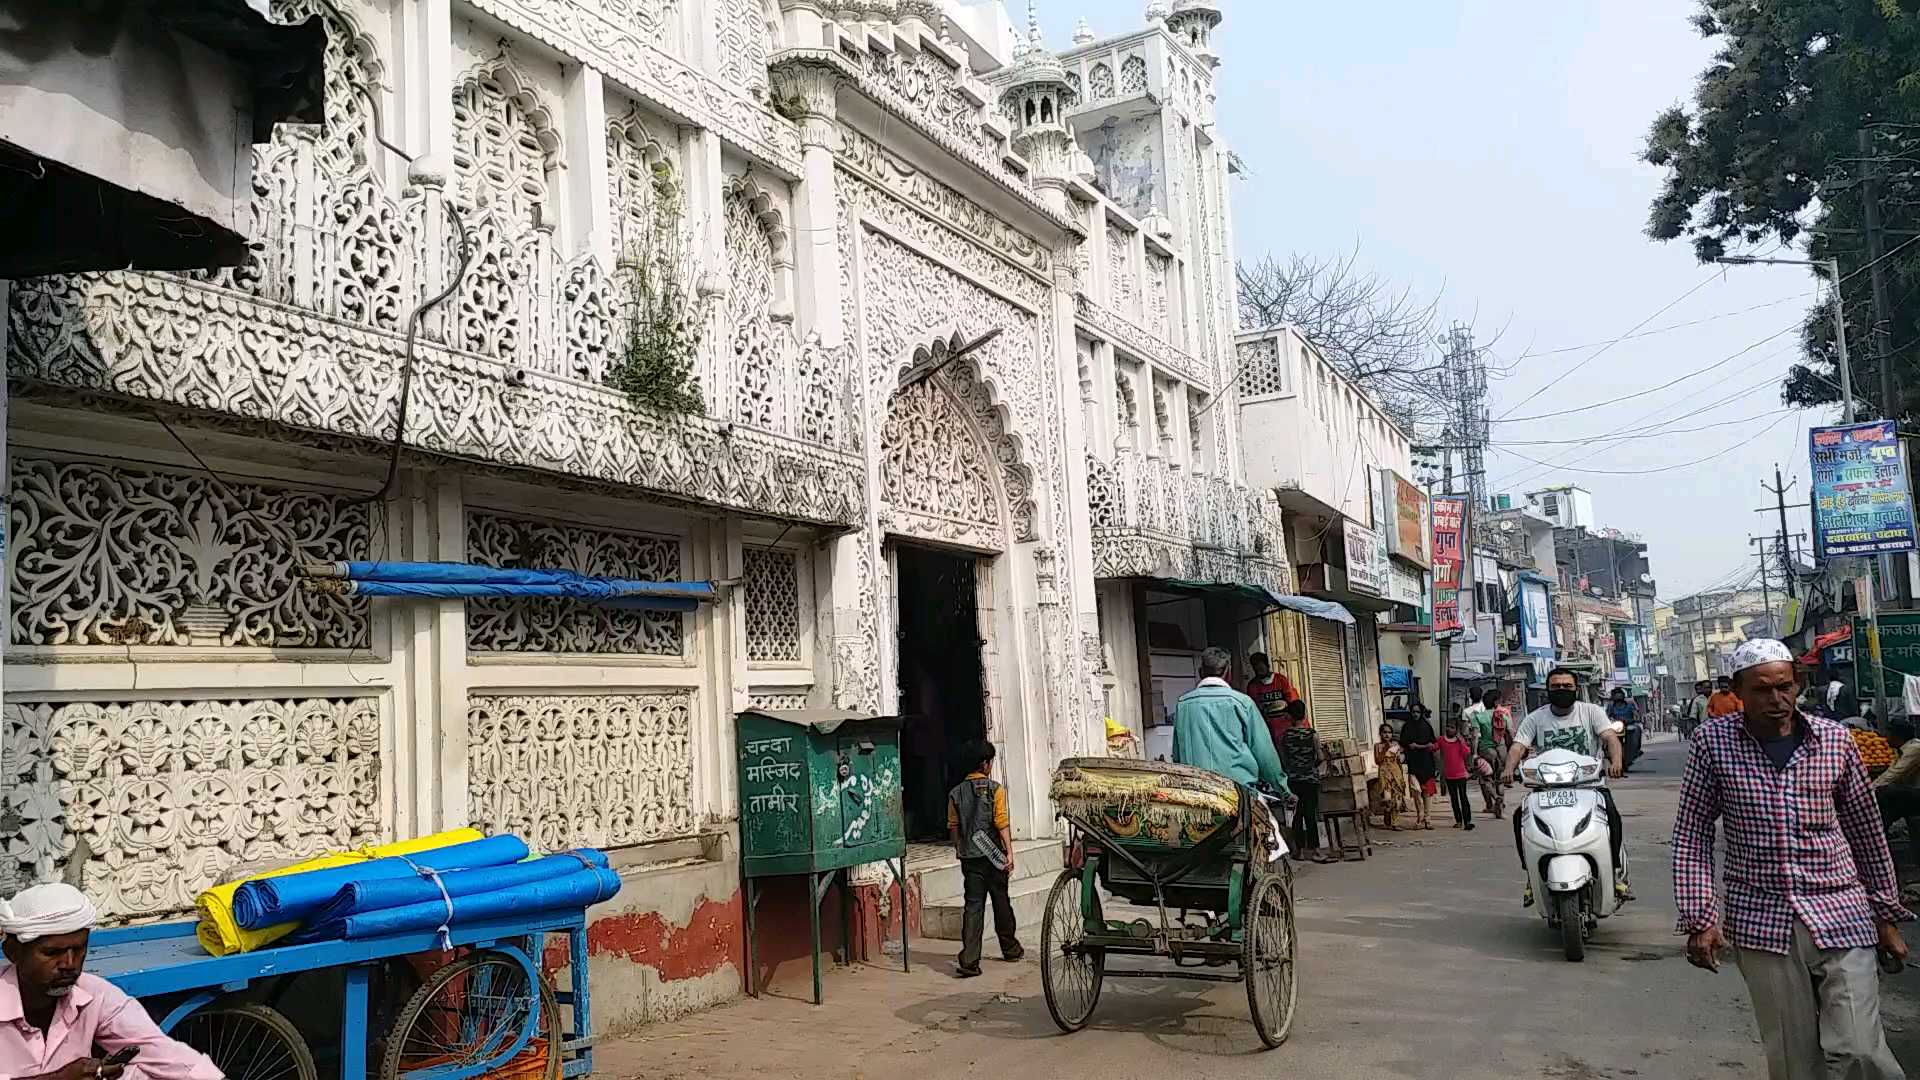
[(1327, 679)]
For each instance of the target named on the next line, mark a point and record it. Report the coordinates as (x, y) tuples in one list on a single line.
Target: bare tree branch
[(1380, 337)]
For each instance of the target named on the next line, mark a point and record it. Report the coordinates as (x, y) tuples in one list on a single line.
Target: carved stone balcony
[(1154, 519), (511, 370)]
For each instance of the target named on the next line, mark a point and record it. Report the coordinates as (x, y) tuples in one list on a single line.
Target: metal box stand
[(819, 796)]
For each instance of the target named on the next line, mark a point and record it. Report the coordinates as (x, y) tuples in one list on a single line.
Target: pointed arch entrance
[(955, 498)]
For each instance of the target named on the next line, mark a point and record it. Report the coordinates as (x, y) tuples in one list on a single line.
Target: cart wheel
[(470, 1013), (1267, 959), (249, 1042), (1069, 975)]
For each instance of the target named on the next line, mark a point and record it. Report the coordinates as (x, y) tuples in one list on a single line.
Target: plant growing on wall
[(655, 369)]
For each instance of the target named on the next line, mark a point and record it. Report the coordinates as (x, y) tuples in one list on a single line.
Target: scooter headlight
[(1559, 774)]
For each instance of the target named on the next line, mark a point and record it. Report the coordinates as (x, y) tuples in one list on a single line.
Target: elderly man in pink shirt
[(59, 1023)]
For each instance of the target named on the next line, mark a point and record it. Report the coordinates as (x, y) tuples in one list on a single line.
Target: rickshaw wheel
[(1268, 947), (471, 1011), (249, 1042), (1070, 976)]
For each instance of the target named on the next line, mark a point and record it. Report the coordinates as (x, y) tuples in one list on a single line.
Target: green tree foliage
[(1768, 152)]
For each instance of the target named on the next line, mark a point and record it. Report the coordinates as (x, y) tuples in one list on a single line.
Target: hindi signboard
[(1861, 502), (1899, 653), (1366, 560), (1406, 522), (1449, 559)]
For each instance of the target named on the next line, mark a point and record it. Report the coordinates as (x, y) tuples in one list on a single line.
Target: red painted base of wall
[(714, 937)]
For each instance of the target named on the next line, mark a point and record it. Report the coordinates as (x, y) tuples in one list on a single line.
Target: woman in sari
[(1392, 781)]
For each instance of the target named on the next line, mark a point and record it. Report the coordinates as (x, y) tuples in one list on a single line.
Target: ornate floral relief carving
[(1123, 289), (926, 85), (105, 555), (572, 770), (938, 479), (568, 627), (170, 795), (1099, 82), (504, 144), (161, 338), (893, 172), (642, 183), (771, 591), (1133, 76), (631, 56), (744, 42), (1103, 322), (1159, 270), (760, 349), (778, 701), (908, 294)]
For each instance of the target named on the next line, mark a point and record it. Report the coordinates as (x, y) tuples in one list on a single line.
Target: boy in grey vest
[(977, 819)]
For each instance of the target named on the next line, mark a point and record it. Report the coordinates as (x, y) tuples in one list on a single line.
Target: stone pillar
[(589, 222)]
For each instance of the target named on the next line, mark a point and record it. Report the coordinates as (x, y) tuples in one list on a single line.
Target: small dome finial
[(1157, 11), (1082, 33), (1033, 24)]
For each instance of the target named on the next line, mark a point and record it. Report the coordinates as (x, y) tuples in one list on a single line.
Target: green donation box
[(819, 796)]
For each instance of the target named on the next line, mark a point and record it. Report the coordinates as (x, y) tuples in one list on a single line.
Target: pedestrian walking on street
[(1420, 744), (977, 819), (1392, 781), (1300, 757), (1455, 753), (1481, 732), (1811, 895)]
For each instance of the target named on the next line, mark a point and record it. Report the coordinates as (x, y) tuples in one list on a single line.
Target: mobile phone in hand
[(121, 1057)]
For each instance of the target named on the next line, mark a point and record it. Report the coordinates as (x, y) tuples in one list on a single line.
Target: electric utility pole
[(1882, 332), (1779, 492), (1766, 590)]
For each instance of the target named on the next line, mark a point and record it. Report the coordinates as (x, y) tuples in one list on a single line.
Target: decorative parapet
[(924, 84), (163, 338), (1153, 519), (1129, 335), (629, 59)]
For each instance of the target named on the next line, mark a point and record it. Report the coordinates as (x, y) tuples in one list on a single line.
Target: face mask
[(1561, 699)]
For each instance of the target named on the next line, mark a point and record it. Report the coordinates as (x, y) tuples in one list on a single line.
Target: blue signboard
[(1861, 505)]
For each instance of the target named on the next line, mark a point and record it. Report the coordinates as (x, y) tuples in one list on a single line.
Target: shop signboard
[(1536, 618), (1366, 560), (1409, 586), (1861, 503), (1406, 523), (1451, 606), (1899, 652)]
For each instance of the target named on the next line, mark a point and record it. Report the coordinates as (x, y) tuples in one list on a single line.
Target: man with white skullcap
[(59, 1023), (1810, 891)]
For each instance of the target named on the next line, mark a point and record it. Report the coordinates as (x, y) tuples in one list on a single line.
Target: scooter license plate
[(1559, 798)]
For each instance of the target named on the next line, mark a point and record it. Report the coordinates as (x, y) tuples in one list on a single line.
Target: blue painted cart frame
[(166, 958)]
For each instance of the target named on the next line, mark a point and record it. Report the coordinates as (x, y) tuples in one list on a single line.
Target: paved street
[(1419, 963)]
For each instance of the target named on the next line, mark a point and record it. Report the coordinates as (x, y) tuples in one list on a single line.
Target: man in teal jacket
[(1219, 729)]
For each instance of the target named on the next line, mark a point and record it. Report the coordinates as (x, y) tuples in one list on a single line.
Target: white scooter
[(1563, 840)]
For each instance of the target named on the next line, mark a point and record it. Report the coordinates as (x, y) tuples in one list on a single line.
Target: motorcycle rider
[(1622, 710), (1567, 723)]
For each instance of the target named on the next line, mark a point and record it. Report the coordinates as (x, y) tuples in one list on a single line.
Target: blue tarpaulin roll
[(362, 896), (575, 890), (271, 901)]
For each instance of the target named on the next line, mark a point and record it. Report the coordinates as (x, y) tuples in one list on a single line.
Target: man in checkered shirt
[(1810, 891)]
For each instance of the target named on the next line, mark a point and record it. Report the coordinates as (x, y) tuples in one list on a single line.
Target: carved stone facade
[(841, 203)]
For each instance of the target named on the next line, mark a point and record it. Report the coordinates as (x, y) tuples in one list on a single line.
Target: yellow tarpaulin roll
[(221, 936)]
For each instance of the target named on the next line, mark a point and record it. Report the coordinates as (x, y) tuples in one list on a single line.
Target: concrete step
[(941, 921), (941, 882)]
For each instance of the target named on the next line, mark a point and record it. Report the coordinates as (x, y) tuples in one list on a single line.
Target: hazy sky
[(1488, 151)]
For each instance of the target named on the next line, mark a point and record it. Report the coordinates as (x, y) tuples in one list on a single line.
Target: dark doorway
[(941, 706)]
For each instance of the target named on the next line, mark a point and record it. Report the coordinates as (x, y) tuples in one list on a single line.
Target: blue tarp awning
[(450, 580), (1395, 677)]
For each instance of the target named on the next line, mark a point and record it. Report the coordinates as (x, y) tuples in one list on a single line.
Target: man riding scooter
[(1622, 711), (1567, 723)]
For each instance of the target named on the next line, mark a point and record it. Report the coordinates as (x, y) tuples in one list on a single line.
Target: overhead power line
[(1746, 441)]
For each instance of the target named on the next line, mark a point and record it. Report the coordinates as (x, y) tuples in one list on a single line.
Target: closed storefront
[(1327, 696)]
